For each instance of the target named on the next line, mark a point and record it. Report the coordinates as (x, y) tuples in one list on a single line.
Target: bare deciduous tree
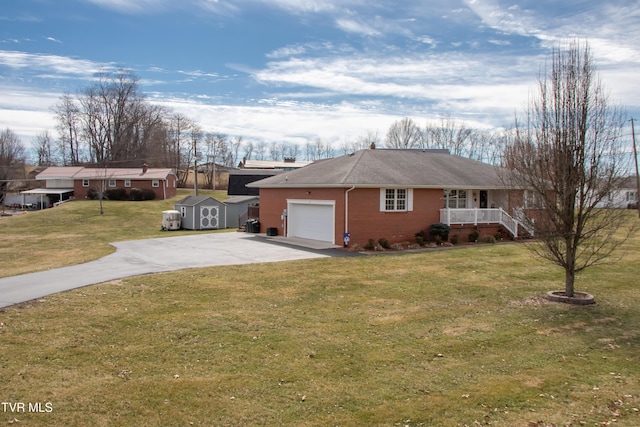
[(12, 157), (404, 134), (568, 155), (44, 148), (450, 134), (179, 152), (318, 149), (67, 113)]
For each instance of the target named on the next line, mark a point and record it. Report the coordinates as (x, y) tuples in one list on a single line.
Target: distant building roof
[(288, 164), (79, 172), (239, 179), (239, 199), (629, 182), (261, 172), (59, 172)]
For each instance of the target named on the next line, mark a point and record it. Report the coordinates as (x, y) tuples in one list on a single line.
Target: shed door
[(311, 219), (209, 217)]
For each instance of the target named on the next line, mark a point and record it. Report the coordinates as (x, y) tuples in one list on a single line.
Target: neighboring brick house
[(625, 195), (161, 181), (389, 194)]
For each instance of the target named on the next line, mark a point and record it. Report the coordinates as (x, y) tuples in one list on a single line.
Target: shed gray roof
[(391, 168), (193, 200), (196, 200), (240, 199)]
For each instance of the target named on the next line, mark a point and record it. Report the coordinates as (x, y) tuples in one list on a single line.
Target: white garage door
[(311, 219)]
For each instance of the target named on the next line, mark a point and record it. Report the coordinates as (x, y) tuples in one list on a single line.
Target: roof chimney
[(289, 159), (145, 168), (372, 146)]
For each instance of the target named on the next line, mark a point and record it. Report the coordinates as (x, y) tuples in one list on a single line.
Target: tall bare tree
[(404, 134), (12, 158), (318, 149), (568, 154), (450, 134), (179, 152), (67, 114), (260, 150), (216, 148), (45, 150)]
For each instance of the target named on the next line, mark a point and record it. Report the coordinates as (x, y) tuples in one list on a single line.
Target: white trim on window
[(127, 183), (455, 199), (532, 200), (112, 183), (85, 182), (155, 183), (396, 199)]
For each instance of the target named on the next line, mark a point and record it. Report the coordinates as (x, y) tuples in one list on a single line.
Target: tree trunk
[(569, 268)]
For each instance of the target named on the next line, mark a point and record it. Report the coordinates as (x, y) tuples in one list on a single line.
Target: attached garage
[(311, 219)]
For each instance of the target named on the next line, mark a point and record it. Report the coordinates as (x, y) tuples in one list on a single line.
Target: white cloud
[(351, 26), (223, 6), (133, 6), (289, 121), (286, 51), (26, 111), (410, 76), (508, 19), (199, 73), (59, 64)]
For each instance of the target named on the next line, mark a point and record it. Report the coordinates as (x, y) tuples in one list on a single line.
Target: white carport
[(44, 193)]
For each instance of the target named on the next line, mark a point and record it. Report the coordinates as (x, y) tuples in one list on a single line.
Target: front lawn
[(451, 338), (75, 232)]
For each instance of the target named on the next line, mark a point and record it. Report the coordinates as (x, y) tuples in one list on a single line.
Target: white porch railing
[(477, 216)]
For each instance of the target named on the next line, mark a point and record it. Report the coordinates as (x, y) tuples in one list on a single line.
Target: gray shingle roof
[(391, 168), (193, 200)]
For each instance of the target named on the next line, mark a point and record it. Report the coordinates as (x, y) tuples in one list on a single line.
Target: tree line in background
[(111, 123)]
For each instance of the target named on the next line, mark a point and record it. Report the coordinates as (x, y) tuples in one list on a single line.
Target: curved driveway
[(136, 257)]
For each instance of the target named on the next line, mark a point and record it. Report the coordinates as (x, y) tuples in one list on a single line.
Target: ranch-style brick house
[(391, 194), (81, 180)]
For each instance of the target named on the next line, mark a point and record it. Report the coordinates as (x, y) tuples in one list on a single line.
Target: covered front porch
[(475, 216)]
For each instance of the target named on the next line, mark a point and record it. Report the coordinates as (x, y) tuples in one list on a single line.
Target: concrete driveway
[(138, 257)]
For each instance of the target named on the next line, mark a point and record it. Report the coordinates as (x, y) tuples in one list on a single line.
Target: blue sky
[(297, 70)]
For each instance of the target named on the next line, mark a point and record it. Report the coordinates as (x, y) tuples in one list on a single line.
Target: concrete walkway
[(137, 257)]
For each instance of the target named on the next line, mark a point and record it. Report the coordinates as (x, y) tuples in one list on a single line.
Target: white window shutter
[(383, 199), (410, 199)]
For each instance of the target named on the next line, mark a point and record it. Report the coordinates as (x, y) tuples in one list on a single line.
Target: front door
[(484, 199)]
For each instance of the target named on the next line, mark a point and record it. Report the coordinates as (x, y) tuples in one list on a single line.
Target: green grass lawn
[(75, 232), (449, 338)]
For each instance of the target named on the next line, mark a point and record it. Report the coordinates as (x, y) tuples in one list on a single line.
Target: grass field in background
[(448, 338), (76, 232)]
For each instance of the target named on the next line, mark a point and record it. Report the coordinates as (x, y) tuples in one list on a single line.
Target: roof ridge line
[(353, 166)]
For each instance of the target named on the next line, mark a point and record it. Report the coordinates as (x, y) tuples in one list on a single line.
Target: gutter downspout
[(346, 208)]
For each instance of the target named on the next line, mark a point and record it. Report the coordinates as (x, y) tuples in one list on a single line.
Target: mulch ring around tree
[(578, 298)]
